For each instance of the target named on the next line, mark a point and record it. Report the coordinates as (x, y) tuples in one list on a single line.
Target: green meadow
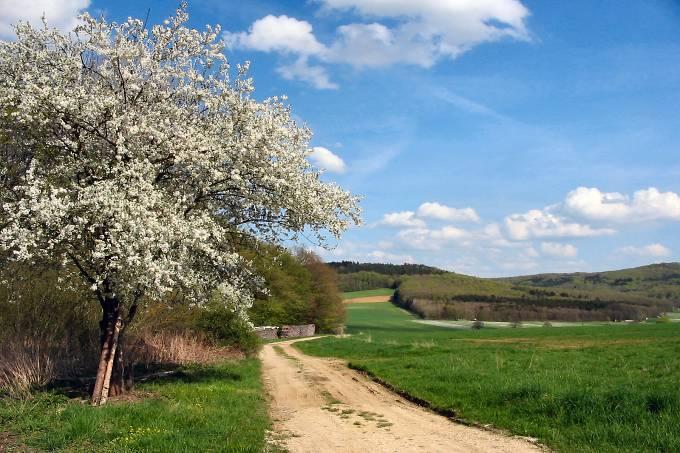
[(201, 408), (584, 388)]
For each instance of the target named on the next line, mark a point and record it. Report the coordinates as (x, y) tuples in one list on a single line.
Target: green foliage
[(202, 408), (365, 280), (289, 288), (347, 267), (221, 324), (594, 389), (327, 309), (301, 289)]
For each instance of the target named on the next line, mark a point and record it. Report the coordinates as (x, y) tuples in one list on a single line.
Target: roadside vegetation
[(599, 388), (217, 407), (180, 353)]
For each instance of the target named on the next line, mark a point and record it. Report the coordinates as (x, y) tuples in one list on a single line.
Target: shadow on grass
[(197, 374), (158, 374)]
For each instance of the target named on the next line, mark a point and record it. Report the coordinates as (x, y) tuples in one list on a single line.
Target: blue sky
[(488, 137)]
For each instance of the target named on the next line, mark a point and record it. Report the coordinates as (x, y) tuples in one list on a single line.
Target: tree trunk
[(111, 326), (117, 386)]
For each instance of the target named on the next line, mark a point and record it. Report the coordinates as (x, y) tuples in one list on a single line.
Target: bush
[(225, 327)]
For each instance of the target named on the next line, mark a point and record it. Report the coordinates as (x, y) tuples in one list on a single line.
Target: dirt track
[(321, 405), (367, 299)]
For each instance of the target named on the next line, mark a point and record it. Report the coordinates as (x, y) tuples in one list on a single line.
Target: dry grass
[(25, 365), (179, 349)]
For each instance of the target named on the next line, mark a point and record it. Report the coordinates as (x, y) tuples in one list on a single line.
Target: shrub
[(224, 326)]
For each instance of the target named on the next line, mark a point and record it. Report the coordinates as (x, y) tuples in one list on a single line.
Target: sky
[(486, 137)]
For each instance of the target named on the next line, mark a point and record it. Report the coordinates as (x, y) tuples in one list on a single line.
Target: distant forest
[(347, 267), (354, 276), (629, 294)]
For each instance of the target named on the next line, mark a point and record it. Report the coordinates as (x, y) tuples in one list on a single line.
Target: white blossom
[(138, 159)]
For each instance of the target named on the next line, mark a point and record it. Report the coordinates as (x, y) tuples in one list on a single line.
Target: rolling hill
[(628, 294), (658, 281)]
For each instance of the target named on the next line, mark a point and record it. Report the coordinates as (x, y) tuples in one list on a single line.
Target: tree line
[(347, 267)]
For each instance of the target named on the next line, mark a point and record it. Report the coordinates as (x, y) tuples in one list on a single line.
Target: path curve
[(319, 404)]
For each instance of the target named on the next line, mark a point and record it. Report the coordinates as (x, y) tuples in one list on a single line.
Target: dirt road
[(367, 299), (320, 405)]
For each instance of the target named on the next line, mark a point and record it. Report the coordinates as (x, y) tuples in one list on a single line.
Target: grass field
[(675, 316), (367, 293), (591, 388), (204, 408)]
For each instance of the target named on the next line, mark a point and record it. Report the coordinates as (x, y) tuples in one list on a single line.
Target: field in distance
[(625, 295), (592, 388), (370, 295)]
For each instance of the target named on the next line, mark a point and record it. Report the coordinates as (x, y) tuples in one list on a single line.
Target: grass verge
[(600, 388), (216, 408)]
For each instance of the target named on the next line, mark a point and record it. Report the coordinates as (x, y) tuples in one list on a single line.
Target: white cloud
[(438, 211), (655, 250), (429, 239), (277, 34), (531, 252), (559, 250), (448, 233), (386, 257), (645, 205), (399, 32), (421, 32), (542, 224), (59, 13), (326, 159), (402, 219), (315, 75)]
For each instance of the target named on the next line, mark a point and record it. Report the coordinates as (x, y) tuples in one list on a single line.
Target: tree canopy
[(140, 158)]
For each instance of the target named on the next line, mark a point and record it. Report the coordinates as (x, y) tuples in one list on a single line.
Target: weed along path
[(321, 405)]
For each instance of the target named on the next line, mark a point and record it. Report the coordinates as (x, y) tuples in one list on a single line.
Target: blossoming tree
[(138, 161)]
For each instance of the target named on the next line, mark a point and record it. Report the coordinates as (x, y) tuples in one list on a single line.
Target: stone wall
[(305, 330), (267, 332), (273, 332)]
